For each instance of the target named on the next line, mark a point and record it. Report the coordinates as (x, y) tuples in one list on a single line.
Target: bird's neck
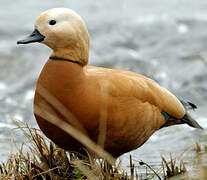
[(74, 54)]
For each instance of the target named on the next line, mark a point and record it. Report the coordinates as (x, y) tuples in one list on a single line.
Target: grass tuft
[(171, 167), (43, 160)]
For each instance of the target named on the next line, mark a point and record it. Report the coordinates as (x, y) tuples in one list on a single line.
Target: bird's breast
[(66, 83)]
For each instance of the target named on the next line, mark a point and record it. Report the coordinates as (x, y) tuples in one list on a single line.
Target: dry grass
[(44, 160), (198, 166), (171, 169), (41, 159)]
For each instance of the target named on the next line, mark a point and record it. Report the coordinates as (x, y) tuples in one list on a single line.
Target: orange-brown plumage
[(132, 103)]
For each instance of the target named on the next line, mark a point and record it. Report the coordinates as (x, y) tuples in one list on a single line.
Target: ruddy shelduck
[(132, 105)]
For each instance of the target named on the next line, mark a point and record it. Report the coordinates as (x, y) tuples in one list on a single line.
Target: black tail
[(190, 121), (187, 119)]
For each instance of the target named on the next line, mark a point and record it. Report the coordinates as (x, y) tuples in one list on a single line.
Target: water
[(164, 40)]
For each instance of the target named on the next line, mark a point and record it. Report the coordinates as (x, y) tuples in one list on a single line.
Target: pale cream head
[(66, 33)]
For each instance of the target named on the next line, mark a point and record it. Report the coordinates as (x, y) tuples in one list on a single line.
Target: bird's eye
[(52, 22)]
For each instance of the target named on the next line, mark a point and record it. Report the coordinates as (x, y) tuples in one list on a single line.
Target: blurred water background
[(164, 40)]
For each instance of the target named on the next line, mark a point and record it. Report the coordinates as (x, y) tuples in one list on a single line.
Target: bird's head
[(64, 32)]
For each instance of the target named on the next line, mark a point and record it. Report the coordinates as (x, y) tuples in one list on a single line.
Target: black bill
[(34, 37)]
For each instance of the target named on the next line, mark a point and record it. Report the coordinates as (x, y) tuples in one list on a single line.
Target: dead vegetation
[(44, 160), (41, 159)]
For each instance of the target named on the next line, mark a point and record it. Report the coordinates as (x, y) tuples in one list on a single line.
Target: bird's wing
[(130, 84)]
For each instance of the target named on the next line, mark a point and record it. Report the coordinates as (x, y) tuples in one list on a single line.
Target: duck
[(131, 106)]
